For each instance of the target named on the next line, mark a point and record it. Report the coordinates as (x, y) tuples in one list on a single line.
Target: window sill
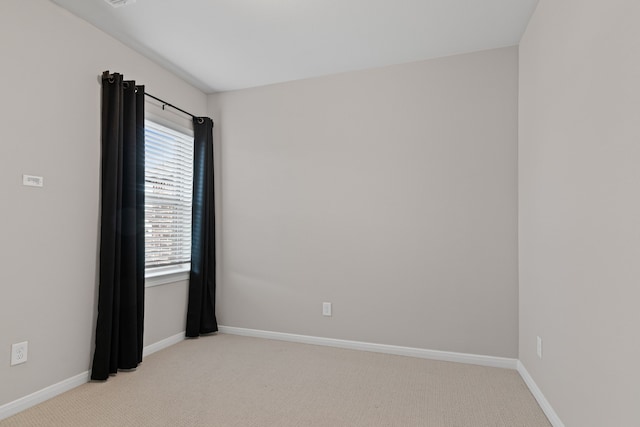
[(165, 275)]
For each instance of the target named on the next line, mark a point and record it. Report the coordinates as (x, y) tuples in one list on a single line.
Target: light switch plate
[(32, 181)]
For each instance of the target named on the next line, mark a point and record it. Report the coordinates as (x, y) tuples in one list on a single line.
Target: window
[(167, 212)]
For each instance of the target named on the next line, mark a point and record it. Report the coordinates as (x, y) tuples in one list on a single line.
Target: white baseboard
[(47, 393), (162, 344), (448, 356), (474, 359), (537, 393), (40, 396)]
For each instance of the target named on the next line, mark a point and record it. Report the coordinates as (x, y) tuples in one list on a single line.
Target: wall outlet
[(539, 347), (19, 353), (326, 309)]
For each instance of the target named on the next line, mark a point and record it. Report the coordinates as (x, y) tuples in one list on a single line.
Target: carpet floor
[(227, 380)]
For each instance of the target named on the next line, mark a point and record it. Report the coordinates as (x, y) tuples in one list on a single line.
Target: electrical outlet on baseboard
[(326, 309), (19, 353), (539, 347)]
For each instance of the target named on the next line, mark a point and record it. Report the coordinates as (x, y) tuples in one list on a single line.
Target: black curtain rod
[(166, 104)]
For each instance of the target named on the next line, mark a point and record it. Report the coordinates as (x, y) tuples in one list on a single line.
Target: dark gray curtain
[(120, 323), (201, 317)]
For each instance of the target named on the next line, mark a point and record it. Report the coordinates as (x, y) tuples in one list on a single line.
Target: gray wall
[(50, 126), (391, 193), (579, 174)]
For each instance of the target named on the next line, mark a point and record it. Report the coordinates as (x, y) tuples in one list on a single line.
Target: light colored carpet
[(226, 380)]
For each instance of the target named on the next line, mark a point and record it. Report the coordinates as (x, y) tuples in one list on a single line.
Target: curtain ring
[(111, 80), (125, 85), (200, 120)]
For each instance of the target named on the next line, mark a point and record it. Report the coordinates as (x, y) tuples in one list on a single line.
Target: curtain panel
[(201, 317), (120, 323)]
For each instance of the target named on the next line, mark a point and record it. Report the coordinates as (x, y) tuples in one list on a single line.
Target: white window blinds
[(168, 192)]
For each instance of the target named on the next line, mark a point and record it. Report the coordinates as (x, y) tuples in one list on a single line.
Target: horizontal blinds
[(168, 191)]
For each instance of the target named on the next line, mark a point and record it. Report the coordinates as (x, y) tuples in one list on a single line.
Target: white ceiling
[(220, 45)]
